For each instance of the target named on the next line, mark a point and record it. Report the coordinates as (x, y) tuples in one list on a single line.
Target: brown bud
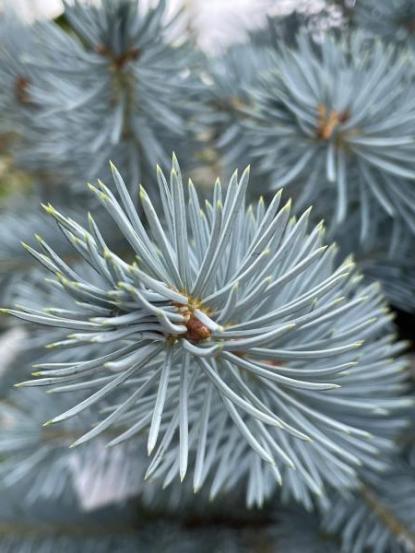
[(196, 331), (329, 121)]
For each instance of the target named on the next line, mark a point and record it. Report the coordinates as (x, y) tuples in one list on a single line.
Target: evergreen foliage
[(228, 97), (37, 457), (201, 337), (16, 39), (393, 20), (385, 257), (310, 112), (197, 303), (116, 87), (380, 515)]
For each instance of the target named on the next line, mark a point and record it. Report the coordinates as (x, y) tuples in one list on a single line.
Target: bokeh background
[(216, 23)]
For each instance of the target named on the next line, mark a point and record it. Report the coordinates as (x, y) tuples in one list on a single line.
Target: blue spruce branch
[(338, 121), (230, 323)]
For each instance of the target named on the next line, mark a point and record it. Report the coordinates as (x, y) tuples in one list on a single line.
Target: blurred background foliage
[(278, 84)]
